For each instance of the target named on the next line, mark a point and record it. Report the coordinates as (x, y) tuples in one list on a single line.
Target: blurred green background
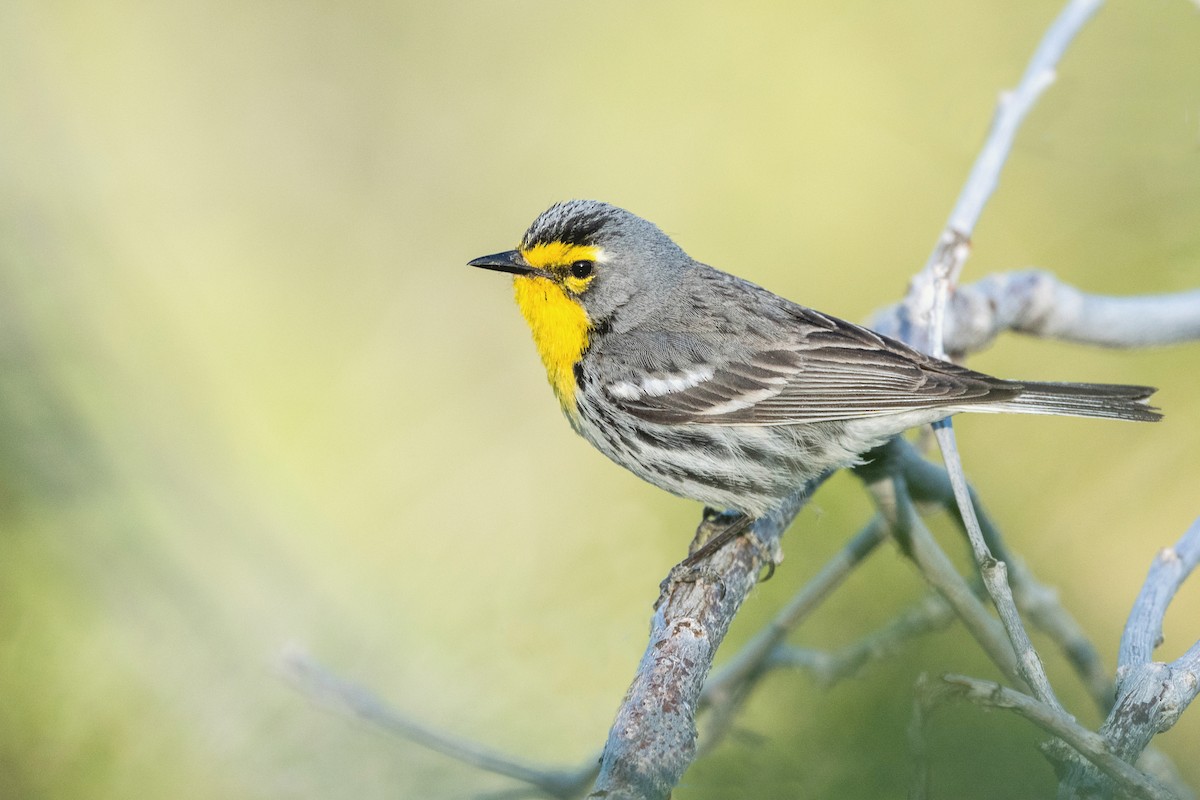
[(251, 398)]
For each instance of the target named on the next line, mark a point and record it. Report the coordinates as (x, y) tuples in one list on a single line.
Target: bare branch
[(918, 740), (930, 483), (1036, 303), (653, 739), (1091, 745), (921, 323), (994, 574), (891, 496), (929, 614), (322, 685), (1012, 109), (1143, 630), (1151, 695), (925, 306)]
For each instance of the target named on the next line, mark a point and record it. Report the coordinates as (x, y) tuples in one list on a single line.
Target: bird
[(718, 390)]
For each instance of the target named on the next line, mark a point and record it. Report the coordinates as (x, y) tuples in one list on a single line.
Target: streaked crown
[(577, 223)]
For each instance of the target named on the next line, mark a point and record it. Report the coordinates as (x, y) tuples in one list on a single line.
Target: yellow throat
[(559, 324)]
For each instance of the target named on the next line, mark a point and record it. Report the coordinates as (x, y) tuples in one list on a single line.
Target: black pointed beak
[(508, 261)]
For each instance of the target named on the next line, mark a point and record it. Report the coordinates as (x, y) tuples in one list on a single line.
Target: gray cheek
[(602, 301)]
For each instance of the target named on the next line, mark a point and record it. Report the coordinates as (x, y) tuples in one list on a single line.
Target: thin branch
[(930, 483), (930, 614), (1039, 74), (322, 685), (994, 574), (922, 323), (891, 497), (931, 288), (1091, 745), (917, 736), (1151, 695), (1143, 630)]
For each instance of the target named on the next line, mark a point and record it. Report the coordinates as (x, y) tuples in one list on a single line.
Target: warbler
[(718, 390)]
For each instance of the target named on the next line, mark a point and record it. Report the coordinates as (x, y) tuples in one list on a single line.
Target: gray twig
[(1150, 695), (322, 685), (890, 492), (923, 314), (930, 483), (926, 306), (1143, 630), (994, 574), (929, 614), (1091, 745), (1037, 303)]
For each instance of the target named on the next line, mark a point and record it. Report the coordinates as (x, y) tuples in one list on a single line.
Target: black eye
[(581, 269)]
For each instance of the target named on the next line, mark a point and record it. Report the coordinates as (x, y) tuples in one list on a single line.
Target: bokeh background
[(252, 399)]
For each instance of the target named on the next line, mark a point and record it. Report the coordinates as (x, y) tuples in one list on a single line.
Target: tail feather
[(1101, 400)]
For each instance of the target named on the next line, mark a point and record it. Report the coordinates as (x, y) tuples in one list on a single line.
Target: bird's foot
[(716, 529)]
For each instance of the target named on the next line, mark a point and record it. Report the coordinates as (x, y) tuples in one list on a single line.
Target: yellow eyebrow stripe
[(557, 254)]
